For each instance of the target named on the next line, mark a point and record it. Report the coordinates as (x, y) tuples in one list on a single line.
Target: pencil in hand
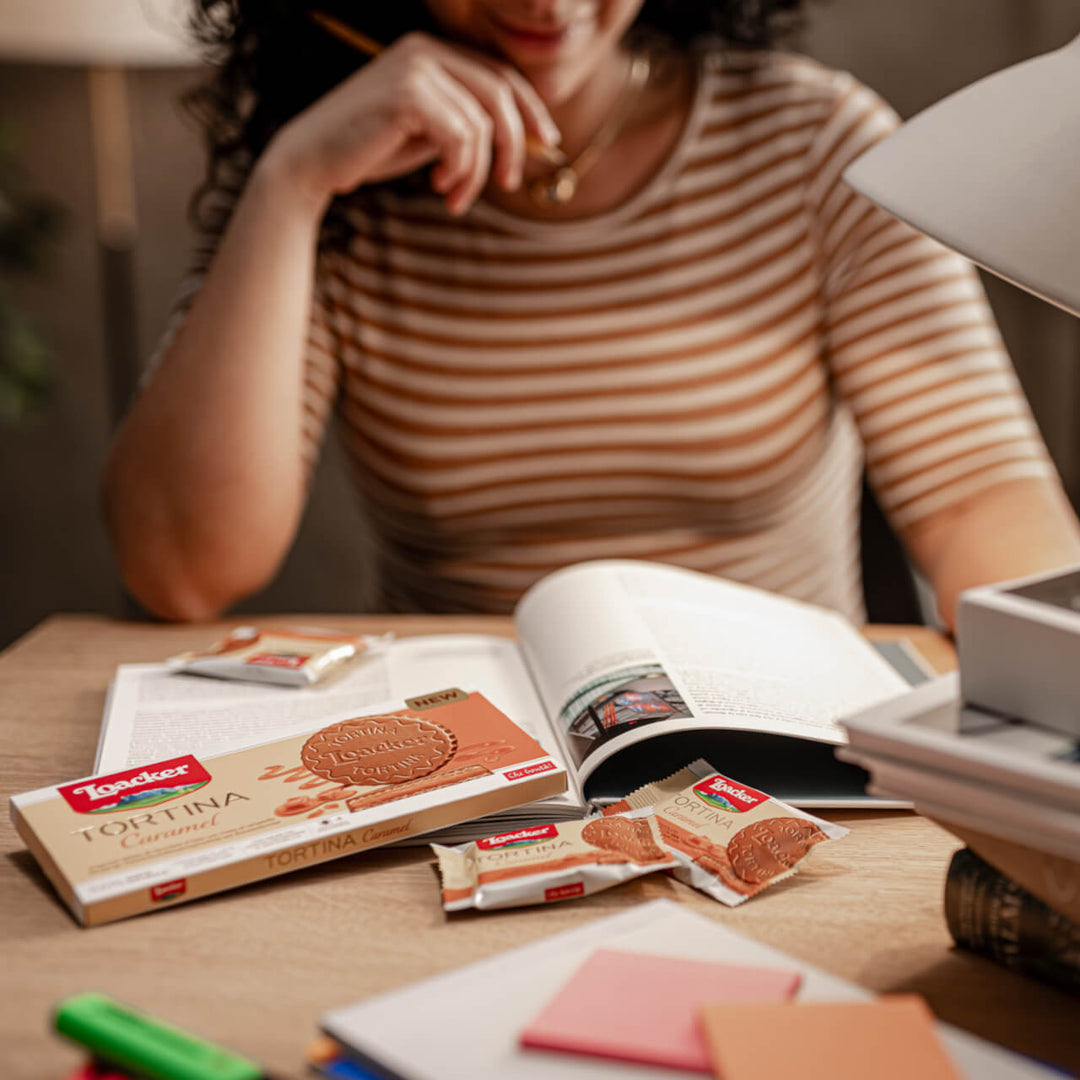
[(352, 37)]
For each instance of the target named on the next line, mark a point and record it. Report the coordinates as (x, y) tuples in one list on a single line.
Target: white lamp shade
[(99, 32), (993, 171)]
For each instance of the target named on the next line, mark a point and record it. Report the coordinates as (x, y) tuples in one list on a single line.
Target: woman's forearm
[(203, 488), (204, 483), (1016, 528)]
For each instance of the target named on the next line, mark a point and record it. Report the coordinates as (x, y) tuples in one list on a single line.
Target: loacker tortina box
[(153, 836)]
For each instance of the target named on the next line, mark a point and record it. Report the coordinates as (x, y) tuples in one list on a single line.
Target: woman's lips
[(534, 38)]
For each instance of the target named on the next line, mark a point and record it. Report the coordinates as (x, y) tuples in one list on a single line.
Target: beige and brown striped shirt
[(696, 377)]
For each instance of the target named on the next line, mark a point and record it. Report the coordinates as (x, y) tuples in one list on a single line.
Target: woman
[(680, 350)]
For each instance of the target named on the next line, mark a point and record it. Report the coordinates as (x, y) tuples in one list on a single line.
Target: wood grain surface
[(254, 968)]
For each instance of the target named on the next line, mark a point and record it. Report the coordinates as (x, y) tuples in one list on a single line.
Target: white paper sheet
[(471, 1017)]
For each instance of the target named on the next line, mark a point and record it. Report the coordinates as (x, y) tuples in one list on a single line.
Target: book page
[(154, 712), (621, 651)]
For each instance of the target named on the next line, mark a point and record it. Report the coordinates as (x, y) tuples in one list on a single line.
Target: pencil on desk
[(349, 35)]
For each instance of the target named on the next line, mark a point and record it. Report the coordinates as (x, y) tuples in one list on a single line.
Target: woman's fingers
[(515, 108), (421, 101), (461, 176), (530, 105), (439, 121), (499, 102), (534, 113)]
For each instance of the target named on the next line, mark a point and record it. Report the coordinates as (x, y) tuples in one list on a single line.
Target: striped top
[(696, 377)]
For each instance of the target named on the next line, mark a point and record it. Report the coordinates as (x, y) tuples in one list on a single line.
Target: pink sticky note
[(643, 1008)]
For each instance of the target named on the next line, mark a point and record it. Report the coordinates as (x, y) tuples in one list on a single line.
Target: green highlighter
[(138, 1043)]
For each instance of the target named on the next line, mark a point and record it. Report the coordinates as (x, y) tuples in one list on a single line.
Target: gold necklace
[(560, 186)]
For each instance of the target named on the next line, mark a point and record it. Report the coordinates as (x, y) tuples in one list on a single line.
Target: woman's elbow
[(178, 589), (178, 577), (186, 559)]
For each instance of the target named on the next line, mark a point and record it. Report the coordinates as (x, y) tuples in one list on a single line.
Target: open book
[(626, 670)]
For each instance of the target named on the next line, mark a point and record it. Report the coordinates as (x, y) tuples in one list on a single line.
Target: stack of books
[(1010, 789)]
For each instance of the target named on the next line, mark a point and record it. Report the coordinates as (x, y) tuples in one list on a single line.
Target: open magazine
[(625, 670)]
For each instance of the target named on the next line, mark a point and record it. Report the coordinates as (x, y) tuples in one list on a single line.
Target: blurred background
[(53, 551)]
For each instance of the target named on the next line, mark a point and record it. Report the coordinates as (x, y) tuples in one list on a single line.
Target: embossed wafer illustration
[(767, 848), (379, 750), (633, 838), (713, 857), (440, 779)]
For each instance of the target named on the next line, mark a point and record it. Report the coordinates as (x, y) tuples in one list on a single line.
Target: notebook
[(466, 1023)]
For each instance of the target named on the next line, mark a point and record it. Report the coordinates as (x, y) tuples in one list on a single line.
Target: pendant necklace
[(560, 186)]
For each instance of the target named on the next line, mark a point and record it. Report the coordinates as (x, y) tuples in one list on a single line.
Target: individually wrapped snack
[(284, 656), (551, 862), (730, 840)]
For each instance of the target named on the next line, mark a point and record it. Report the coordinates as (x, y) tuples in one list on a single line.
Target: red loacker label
[(724, 794), (285, 660), (519, 838), (168, 890), (564, 892), (136, 788)]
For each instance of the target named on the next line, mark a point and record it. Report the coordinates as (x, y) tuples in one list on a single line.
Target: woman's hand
[(420, 101)]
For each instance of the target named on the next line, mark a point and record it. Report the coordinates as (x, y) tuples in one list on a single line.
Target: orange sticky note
[(890, 1038)]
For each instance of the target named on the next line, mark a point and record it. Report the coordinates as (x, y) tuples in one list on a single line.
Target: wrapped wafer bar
[(545, 863), (730, 840), (288, 656)]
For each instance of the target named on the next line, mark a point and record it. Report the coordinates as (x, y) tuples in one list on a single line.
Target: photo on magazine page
[(617, 702)]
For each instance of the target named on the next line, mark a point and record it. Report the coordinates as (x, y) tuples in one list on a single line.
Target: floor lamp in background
[(106, 37)]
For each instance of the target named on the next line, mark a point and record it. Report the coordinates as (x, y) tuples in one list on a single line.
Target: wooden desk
[(254, 968)]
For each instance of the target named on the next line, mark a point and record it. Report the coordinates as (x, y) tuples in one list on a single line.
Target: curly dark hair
[(271, 61)]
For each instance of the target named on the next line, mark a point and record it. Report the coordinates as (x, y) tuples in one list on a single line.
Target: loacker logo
[(168, 890), (136, 788), (519, 838), (725, 794)]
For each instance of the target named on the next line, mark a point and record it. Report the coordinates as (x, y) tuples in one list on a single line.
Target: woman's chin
[(555, 85)]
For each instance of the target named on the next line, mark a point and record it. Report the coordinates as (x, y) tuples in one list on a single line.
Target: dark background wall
[(53, 551)]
